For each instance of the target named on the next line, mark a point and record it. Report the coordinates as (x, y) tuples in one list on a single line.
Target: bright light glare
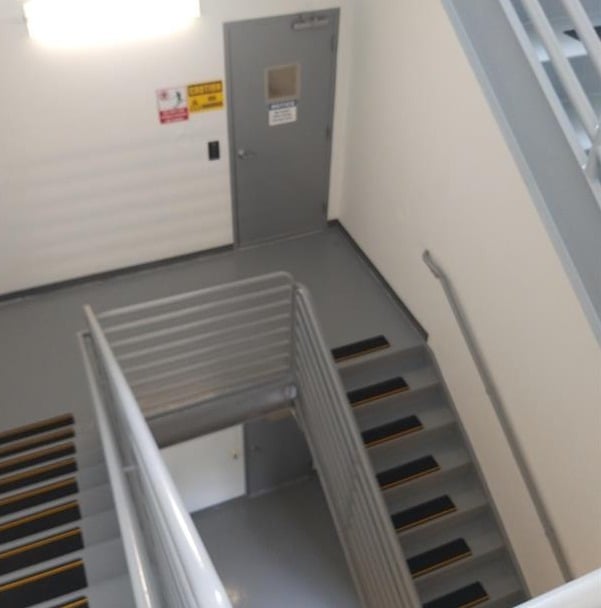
[(85, 23)]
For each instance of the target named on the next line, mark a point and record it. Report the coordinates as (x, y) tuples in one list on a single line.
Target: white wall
[(89, 179), (208, 470), (437, 174)]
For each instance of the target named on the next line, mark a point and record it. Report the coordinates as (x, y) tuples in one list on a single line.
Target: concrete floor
[(278, 549), (40, 365)]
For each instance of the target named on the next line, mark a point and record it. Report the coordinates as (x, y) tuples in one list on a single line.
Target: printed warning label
[(205, 96), (172, 104), (283, 113)]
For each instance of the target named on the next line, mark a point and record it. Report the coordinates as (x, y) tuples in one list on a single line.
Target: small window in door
[(282, 82)]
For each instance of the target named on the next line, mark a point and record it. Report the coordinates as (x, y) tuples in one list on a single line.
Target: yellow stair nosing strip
[(34, 455), (412, 478), (427, 519), (41, 575), (477, 602), (396, 391), (444, 564), (39, 515), (40, 490), (50, 437), (77, 604), (362, 353), (36, 425), (36, 471), (40, 543), (415, 429)]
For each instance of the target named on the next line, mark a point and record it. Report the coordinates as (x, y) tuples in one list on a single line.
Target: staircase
[(444, 520), (60, 544)]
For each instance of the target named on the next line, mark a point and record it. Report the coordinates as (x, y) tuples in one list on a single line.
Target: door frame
[(333, 12)]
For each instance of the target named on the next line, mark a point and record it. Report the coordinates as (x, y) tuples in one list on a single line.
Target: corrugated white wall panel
[(90, 180)]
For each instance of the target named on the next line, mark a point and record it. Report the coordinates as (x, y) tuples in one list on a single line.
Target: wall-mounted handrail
[(584, 592), (200, 585), (487, 379)]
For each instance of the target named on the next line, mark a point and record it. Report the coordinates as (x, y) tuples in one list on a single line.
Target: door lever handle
[(245, 154)]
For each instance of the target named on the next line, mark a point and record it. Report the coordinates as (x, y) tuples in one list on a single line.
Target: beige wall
[(427, 167), (89, 179)]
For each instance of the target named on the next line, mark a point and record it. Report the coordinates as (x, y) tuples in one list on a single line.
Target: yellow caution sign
[(205, 96)]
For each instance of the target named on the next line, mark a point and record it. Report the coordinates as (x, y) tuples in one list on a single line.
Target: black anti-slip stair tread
[(28, 460), (360, 348), (392, 430), (422, 513), (80, 602), (41, 521), (379, 390), (38, 496), (36, 428), (407, 472), (439, 557), (44, 585), (36, 442), (37, 475), (41, 550), (466, 597)]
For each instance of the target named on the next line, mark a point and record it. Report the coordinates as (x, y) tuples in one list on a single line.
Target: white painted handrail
[(584, 592), (561, 63), (588, 154), (202, 584)]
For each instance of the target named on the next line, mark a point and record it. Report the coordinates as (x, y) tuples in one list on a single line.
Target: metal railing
[(582, 126), (372, 549), (214, 347), (168, 563), (501, 412), (192, 347)]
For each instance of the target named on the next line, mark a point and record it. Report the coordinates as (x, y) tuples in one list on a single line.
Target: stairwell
[(60, 544)]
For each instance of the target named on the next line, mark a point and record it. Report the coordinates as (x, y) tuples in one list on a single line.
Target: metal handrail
[(589, 158), (301, 372), (374, 554), (495, 398), (584, 592), (136, 552), (201, 583)]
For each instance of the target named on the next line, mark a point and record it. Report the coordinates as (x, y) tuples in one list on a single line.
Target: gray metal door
[(281, 79)]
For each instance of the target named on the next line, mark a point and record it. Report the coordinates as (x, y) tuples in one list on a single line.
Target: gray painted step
[(386, 363), (442, 439), (97, 528), (113, 593), (87, 478), (497, 576), (446, 448), (400, 405), (91, 501), (102, 561)]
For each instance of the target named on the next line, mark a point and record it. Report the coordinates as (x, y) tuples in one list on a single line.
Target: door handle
[(245, 154)]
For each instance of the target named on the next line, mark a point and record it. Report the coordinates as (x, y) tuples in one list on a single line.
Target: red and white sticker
[(173, 105)]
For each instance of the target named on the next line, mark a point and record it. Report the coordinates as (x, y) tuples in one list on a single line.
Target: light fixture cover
[(84, 23)]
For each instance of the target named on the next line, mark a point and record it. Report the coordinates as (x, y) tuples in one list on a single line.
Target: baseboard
[(110, 274), (393, 294)]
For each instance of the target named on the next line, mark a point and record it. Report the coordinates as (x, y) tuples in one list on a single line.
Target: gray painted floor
[(40, 365), (278, 549)]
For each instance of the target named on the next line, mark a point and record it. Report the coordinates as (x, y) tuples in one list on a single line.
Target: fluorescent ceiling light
[(84, 23)]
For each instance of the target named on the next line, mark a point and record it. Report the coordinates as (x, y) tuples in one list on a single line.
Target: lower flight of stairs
[(445, 524), (60, 544)]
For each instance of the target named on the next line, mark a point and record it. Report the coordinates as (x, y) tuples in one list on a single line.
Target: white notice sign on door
[(283, 113)]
